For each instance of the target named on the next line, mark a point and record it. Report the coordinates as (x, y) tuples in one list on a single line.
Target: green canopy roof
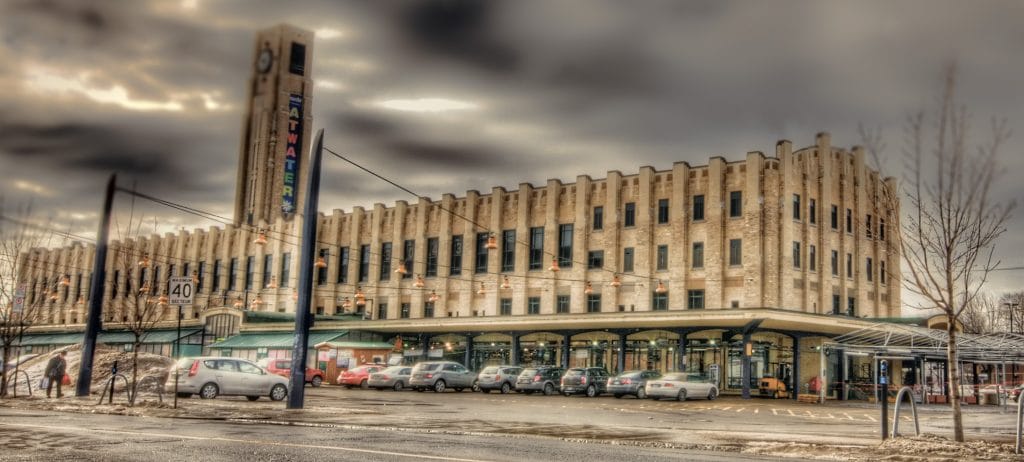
[(361, 345), (252, 317), (277, 340), (112, 337)]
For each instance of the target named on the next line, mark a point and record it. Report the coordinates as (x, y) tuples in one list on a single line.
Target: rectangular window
[(659, 302), (849, 221), (455, 265), (629, 218), (428, 310), (698, 207), (881, 228), (250, 270), (835, 263), (835, 217), (232, 274), (662, 211), (113, 286), (851, 307), (598, 218), (536, 248), (661, 262), (506, 307), (812, 213), (364, 262), (405, 309), (343, 265), (565, 246), (508, 250), (321, 273), (796, 206), (297, 63), (869, 226), (562, 304), (871, 275), (812, 258), (382, 311), (698, 255), (881, 276), (735, 252), (796, 254), (385, 261), (595, 259), (695, 299), (736, 204), (432, 246), (849, 265), (185, 269), (627, 260), (408, 256), (286, 269), (481, 253), (268, 268), (593, 303), (837, 304), (216, 276), (533, 305), (202, 277)]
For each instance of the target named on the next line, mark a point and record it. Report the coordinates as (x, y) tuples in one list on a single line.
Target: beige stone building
[(655, 268)]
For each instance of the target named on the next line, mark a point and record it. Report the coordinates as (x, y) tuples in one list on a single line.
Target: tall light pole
[(1011, 307)]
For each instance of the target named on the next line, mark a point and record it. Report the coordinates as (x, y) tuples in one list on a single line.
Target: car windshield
[(429, 367), (630, 375), (530, 371), (490, 370), (675, 377), (393, 370)]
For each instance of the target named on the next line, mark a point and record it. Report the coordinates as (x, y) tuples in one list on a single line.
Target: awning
[(357, 345), (904, 340), (276, 340), (109, 338)]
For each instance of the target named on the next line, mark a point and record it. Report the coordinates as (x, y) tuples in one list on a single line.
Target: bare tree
[(982, 316), (952, 222), (1011, 308)]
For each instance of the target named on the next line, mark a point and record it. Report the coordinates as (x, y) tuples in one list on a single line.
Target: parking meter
[(883, 395)]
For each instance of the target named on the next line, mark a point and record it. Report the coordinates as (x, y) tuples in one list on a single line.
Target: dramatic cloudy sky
[(518, 91)]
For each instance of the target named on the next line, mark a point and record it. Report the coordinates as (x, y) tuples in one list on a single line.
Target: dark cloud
[(459, 29)]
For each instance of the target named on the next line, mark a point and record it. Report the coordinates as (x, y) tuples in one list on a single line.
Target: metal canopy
[(901, 339)]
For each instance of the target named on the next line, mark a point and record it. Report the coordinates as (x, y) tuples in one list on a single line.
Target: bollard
[(883, 398)]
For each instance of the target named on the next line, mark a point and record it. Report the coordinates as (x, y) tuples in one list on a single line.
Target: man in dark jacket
[(55, 372)]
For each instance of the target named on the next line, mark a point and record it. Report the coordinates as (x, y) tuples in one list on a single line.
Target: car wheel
[(682, 395), (591, 391), (439, 386), (278, 392), (363, 384), (549, 389), (209, 391), (618, 395), (398, 386), (317, 381), (712, 394), (184, 395), (252, 398), (505, 388), (641, 393)]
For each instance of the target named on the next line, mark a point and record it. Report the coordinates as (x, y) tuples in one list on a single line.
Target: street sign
[(182, 291), (19, 298)]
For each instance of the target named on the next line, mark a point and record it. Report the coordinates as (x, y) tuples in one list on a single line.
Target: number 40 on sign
[(182, 291)]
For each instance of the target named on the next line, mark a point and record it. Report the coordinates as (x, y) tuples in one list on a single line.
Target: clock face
[(265, 60)]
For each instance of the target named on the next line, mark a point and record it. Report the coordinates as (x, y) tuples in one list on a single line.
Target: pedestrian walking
[(55, 373)]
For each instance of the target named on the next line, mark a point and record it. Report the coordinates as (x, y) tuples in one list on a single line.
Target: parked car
[(358, 376), (211, 376), (545, 379), (440, 376), (591, 381), (681, 385), (283, 367), (394, 377), (631, 383), (1015, 392), (502, 378)]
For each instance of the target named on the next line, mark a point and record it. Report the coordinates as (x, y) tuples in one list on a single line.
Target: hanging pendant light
[(661, 288), (481, 291), (238, 303), (65, 281), (295, 295), (615, 281), (419, 284), (554, 265), (505, 284), (163, 300), (256, 303), (144, 263), (589, 290), (346, 303), (360, 297), (54, 295), (492, 242), (261, 238), (320, 263), (401, 268), (81, 302), (433, 297), (273, 283), (195, 277), (144, 290)]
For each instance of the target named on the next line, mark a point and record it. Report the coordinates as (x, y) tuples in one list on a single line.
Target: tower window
[(297, 64)]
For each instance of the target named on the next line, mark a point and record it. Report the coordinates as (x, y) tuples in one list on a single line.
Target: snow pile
[(931, 448), (150, 365)]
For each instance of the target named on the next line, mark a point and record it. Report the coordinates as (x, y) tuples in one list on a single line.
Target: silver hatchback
[(440, 376), (211, 376), (501, 378)]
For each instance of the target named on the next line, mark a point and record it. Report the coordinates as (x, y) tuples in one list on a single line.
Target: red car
[(283, 367), (357, 376)]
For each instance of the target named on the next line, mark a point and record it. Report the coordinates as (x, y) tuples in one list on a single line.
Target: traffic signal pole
[(94, 319)]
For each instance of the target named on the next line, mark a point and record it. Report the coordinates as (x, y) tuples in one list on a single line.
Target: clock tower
[(277, 128)]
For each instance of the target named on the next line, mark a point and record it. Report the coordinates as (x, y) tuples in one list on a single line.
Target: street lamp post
[(1011, 307)]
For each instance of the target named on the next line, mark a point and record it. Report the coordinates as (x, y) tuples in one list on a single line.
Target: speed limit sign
[(182, 291)]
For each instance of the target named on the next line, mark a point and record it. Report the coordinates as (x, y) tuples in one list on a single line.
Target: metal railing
[(110, 386), (907, 391), (13, 380), (1020, 421), (159, 389)]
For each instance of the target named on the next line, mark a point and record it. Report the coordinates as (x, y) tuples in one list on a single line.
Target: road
[(341, 424)]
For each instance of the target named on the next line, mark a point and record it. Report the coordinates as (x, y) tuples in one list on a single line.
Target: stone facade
[(759, 206)]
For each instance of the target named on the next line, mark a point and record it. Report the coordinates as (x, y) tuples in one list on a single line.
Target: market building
[(739, 269)]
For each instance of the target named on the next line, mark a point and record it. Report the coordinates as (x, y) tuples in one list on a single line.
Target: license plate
[(655, 385), (615, 382), (570, 390)]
